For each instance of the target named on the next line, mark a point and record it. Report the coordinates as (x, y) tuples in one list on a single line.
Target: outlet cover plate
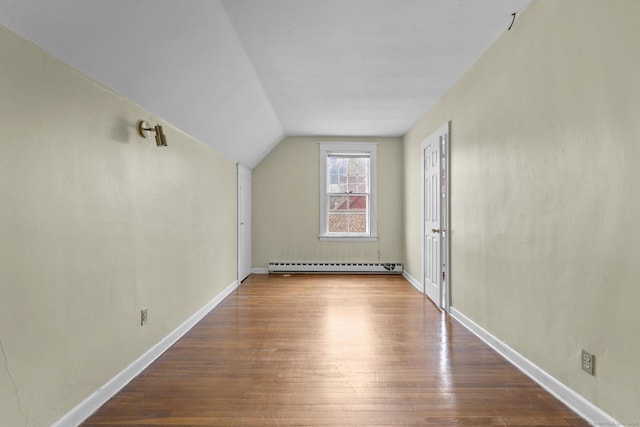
[(588, 362)]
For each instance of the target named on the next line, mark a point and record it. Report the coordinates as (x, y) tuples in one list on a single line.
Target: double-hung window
[(348, 191)]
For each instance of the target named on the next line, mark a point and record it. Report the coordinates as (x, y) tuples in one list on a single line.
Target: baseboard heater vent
[(335, 267)]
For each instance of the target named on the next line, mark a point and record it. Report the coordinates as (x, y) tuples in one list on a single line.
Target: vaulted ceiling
[(239, 75)]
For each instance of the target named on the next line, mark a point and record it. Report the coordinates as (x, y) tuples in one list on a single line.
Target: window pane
[(338, 223), (338, 203), (358, 214), (338, 209)]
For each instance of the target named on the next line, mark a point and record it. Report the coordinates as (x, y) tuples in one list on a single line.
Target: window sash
[(348, 174), (344, 218)]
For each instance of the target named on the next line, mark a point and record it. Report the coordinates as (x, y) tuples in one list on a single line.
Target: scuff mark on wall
[(7, 373)]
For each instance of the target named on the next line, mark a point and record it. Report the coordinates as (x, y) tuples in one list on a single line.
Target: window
[(347, 191)]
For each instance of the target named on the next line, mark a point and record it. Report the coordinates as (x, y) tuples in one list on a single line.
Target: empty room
[(319, 213)]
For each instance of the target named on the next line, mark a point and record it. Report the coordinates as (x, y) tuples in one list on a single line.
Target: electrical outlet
[(143, 316), (588, 362)]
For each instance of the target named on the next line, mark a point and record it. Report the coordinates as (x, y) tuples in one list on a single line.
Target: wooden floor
[(330, 351)]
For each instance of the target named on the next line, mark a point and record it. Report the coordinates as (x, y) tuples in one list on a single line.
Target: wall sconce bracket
[(145, 129)]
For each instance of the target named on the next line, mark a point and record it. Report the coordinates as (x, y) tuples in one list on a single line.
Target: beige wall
[(286, 206), (545, 202), (95, 224)]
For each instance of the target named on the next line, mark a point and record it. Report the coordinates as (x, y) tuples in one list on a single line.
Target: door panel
[(244, 223), (432, 199), (445, 283), (436, 216)]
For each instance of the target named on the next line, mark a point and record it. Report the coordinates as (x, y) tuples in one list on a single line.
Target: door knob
[(437, 230)]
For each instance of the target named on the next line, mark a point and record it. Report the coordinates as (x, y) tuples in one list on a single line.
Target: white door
[(435, 198), (431, 155), (244, 222)]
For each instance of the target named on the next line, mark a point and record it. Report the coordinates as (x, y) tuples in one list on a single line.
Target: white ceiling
[(239, 75)]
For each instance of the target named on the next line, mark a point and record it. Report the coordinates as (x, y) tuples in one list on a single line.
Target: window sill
[(348, 238)]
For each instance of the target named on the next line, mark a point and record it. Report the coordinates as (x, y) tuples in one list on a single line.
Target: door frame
[(444, 302)]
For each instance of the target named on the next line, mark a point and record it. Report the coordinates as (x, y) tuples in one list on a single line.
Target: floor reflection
[(350, 348)]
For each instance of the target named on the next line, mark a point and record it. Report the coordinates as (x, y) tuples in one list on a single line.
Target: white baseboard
[(415, 283), (88, 406), (260, 271), (573, 400)]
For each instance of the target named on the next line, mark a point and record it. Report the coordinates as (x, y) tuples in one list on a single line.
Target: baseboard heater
[(336, 267)]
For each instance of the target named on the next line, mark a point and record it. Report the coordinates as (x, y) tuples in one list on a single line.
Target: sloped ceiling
[(239, 75)]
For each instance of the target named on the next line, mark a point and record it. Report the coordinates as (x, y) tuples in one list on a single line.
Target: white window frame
[(371, 148)]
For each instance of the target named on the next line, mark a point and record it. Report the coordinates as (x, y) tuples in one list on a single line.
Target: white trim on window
[(369, 148), (355, 238)]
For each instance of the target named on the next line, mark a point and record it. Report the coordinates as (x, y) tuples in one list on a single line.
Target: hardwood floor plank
[(323, 350)]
